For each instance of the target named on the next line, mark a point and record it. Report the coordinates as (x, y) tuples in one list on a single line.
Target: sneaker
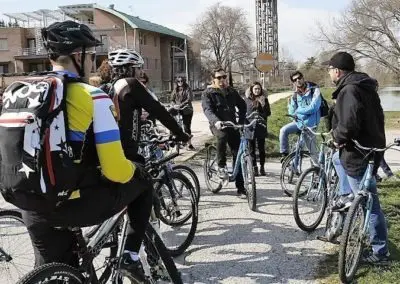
[(222, 173), (343, 202), (262, 171), (133, 268), (241, 193), (375, 259), (191, 147)]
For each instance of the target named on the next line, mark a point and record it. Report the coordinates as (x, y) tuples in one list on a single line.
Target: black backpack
[(37, 169)]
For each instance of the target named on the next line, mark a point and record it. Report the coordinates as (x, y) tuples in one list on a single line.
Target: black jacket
[(358, 115), (184, 100), (132, 97), (219, 105), (263, 111)]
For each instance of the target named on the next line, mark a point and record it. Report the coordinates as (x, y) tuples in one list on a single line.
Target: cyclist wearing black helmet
[(94, 136)]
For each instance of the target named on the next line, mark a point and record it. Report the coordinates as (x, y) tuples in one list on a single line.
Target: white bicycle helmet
[(121, 57)]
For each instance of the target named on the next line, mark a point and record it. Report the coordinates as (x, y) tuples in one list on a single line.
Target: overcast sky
[(297, 18)]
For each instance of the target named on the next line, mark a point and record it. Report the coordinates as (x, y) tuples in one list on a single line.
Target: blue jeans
[(377, 226), (309, 140)]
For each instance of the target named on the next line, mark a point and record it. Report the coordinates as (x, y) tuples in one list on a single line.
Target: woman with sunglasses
[(182, 97), (257, 101)]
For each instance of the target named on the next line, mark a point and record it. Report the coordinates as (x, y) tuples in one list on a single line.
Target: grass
[(278, 119), (389, 195), (392, 119)]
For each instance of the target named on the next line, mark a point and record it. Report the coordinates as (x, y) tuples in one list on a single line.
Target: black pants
[(232, 138), (261, 150), (96, 204), (187, 122)]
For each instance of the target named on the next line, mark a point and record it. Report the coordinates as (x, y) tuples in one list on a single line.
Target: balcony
[(38, 53), (31, 53)]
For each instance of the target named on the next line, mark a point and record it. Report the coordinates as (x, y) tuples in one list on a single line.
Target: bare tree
[(369, 29), (225, 37)]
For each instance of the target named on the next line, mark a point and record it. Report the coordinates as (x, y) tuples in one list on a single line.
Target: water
[(390, 98)]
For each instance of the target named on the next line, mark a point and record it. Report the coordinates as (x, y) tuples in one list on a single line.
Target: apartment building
[(164, 50)]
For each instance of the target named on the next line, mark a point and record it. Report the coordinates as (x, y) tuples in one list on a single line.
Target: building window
[(181, 65), (31, 43), (3, 44), (156, 63), (155, 40), (39, 67), (142, 39), (3, 68)]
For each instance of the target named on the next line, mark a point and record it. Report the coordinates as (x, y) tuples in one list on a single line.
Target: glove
[(183, 137), (141, 173), (218, 125)]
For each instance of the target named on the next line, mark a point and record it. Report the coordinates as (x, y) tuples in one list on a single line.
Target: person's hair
[(297, 72), (144, 77), (216, 70), (105, 71), (252, 96), (184, 84), (95, 81), (124, 71)]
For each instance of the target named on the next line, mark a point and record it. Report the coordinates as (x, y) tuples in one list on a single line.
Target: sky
[(296, 18)]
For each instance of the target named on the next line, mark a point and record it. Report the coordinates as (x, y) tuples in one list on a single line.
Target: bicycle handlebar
[(226, 124), (373, 149)]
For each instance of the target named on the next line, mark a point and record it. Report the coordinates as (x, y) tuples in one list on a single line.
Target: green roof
[(136, 22)]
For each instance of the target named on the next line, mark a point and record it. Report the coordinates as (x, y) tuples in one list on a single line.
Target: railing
[(31, 51), (42, 51)]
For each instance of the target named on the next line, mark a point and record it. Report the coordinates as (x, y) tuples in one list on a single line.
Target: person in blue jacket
[(305, 104)]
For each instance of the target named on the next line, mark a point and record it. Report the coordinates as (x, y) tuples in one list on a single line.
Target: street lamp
[(185, 52)]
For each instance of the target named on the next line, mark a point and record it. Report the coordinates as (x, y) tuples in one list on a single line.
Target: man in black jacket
[(219, 102), (358, 115)]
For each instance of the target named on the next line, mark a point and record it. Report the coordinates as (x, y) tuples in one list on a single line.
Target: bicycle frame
[(244, 144), (364, 187)]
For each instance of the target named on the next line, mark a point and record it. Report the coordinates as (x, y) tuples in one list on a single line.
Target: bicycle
[(292, 164), (168, 193), (360, 208), (317, 184), (16, 251), (149, 132), (112, 233), (243, 160)]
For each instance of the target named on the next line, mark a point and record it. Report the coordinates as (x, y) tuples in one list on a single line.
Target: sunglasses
[(179, 81), (220, 77), (296, 79)]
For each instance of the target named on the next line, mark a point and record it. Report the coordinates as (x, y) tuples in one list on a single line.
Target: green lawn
[(390, 200)]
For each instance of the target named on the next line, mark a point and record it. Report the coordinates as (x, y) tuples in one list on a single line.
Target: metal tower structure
[(267, 30)]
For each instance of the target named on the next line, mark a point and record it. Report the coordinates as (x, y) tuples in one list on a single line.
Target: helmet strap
[(80, 69)]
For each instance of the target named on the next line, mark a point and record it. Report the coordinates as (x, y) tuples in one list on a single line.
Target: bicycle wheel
[(210, 167), (249, 181), (309, 200), (178, 234), (162, 266), (289, 174), (352, 240), (61, 273), (16, 250), (192, 176)]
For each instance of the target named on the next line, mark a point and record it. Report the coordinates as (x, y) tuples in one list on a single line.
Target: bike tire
[(285, 166), (249, 182), (211, 152), (55, 270), (155, 250), (297, 194), (179, 249), (347, 277), (13, 227), (193, 177), (182, 178)]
